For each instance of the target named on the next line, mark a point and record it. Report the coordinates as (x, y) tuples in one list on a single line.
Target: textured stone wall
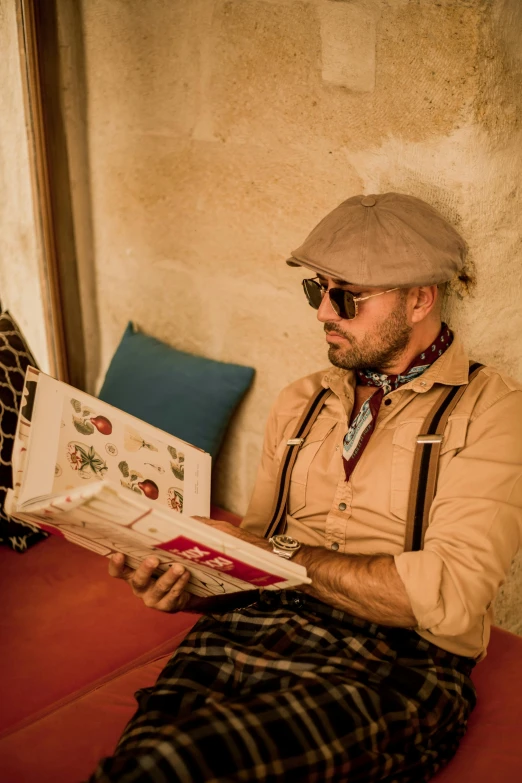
[(20, 290), (220, 131), (216, 133)]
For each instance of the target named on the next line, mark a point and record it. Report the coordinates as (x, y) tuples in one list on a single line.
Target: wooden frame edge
[(41, 190)]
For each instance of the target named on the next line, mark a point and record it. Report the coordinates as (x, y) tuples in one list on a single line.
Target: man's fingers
[(177, 597), (169, 591), (166, 582), (117, 567), (142, 577)]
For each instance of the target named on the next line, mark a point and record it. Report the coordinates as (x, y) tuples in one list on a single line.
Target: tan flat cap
[(383, 240)]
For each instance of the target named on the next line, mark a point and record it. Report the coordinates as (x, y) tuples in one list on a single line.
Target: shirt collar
[(451, 369), (342, 383)]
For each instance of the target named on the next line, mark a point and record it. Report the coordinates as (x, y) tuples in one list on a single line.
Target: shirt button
[(342, 506), (335, 546), (387, 402)]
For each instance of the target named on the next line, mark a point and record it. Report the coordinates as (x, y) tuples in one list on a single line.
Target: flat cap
[(386, 240)]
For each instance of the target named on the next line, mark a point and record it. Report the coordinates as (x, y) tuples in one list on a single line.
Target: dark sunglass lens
[(343, 303), (349, 305), (337, 300), (313, 292)]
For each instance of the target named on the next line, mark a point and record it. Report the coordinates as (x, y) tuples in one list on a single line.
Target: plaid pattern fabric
[(291, 689)]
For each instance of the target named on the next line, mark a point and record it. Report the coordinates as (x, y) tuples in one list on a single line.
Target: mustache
[(332, 327)]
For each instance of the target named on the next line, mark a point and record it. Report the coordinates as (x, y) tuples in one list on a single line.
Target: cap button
[(369, 201)]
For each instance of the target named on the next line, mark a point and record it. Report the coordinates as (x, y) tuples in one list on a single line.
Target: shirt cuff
[(421, 574)]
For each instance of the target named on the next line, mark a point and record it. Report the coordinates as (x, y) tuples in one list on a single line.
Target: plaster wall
[(20, 290), (220, 131)]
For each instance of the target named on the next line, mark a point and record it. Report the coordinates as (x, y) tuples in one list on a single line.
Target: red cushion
[(69, 624), (66, 744), (80, 644), (491, 751)]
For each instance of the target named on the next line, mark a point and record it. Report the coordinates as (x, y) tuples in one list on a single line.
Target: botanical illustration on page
[(94, 446)]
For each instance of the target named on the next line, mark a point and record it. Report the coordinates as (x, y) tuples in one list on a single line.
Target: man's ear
[(425, 299)]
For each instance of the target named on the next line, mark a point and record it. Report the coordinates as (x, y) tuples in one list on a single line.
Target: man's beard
[(377, 351)]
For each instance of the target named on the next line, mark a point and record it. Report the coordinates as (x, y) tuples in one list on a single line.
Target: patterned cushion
[(14, 358)]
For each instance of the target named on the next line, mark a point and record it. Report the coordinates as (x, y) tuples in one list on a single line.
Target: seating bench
[(76, 645)]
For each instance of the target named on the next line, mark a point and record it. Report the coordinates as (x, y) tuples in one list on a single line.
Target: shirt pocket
[(404, 444), (305, 458)]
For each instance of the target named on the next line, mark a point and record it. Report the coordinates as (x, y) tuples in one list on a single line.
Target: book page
[(103, 539), (77, 439), (107, 518)]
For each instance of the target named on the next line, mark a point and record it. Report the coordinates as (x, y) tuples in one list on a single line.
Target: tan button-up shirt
[(475, 524)]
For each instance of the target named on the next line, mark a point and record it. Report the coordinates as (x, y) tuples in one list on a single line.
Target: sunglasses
[(344, 303)]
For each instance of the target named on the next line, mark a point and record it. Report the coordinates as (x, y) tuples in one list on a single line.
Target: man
[(364, 674)]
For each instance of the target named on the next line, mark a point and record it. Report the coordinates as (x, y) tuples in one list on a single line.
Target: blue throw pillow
[(188, 396)]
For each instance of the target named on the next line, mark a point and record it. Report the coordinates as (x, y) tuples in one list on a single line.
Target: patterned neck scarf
[(360, 431)]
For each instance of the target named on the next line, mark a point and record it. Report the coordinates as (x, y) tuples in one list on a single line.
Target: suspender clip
[(435, 438), (294, 441)]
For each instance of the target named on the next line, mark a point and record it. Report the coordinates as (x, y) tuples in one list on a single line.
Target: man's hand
[(167, 593)]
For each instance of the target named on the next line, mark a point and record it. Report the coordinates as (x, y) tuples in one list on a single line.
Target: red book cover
[(205, 555)]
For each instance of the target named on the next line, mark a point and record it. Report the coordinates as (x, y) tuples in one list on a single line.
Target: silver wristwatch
[(284, 546)]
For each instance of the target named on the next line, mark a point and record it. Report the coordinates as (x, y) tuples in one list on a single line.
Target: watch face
[(286, 542)]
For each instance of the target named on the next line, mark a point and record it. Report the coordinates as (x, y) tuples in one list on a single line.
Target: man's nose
[(326, 312)]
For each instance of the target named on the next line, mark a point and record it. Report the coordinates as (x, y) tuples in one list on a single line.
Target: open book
[(105, 480)]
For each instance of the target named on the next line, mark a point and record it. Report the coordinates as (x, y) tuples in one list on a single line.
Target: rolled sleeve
[(475, 526)]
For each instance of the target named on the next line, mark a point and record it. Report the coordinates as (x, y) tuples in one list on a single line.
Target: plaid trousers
[(290, 689)]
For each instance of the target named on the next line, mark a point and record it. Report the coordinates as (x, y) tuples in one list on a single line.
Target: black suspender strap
[(232, 601), (278, 516), (425, 462)]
